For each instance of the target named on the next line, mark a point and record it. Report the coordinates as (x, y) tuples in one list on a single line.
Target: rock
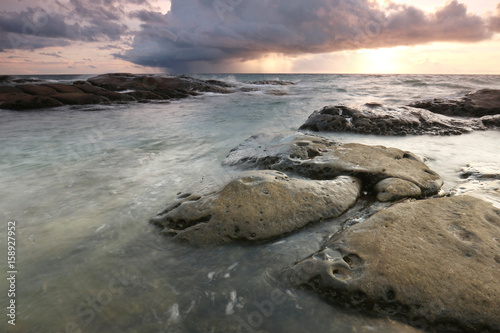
[(373, 118), (167, 87), (36, 89), (10, 90), (64, 88), (20, 102), (88, 88), (391, 189), (491, 121), (256, 206), (276, 92), (318, 158), (144, 95), (273, 82), (80, 99), (116, 97), (481, 171), (481, 103), (433, 263)]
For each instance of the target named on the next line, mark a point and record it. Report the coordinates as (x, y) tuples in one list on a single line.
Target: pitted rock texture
[(377, 119), (433, 263), (481, 103), (318, 158), (256, 206), (391, 189)]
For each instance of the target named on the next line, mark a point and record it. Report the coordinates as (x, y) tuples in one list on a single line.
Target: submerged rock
[(481, 103), (377, 119), (319, 158), (273, 82), (256, 206), (433, 263), (481, 171)]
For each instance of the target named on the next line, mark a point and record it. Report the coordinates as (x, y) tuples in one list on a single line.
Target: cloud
[(218, 31), (78, 20), (495, 20), (53, 54)]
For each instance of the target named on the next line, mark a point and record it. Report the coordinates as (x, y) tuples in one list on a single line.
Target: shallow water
[(82, 182)]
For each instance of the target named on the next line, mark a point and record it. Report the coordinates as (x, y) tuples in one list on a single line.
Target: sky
[(249, 36)]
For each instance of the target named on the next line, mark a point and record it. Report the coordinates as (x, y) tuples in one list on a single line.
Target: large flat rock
[(433, 263), (478, 104), (377, 119), (318, 158), (256, 206)]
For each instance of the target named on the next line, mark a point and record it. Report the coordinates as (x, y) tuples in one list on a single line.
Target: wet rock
[(167, 87), (318, 158), (481, 103), (491, 121), (391, 189), (273, 82), (80, 99), (144, 95), (377, 119), (256, 206), (481, 171), (104, 89), (276, 92), (36, 89), (64, 88), (20, 102), (433, 263)]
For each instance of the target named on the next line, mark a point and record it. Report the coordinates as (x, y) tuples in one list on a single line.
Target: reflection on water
[(82, 185)]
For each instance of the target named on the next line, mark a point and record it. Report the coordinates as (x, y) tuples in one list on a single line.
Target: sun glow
[(380, 61)]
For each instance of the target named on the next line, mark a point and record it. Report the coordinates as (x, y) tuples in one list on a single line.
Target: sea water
[(82, 182)]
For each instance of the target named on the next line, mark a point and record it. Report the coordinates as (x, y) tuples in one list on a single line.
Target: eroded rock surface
[(481, 103), (256, 206), (377, 119), (433, 263), (319, 158)]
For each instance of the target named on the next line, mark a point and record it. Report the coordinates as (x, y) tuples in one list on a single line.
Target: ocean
[(82, 182)]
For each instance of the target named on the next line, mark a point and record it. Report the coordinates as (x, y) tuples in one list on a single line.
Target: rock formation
[(256, 206), (433, 263), (377, 119), (478, 104)]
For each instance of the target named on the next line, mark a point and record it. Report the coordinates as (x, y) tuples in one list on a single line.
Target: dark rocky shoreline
[(105, 89)]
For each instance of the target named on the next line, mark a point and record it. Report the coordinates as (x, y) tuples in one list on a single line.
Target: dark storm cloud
[(217, 30), (78, 20)]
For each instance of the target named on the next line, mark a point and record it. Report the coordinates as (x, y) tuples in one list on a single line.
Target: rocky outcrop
[(481, 103), (167, 87), (403, 173), (104, 89), (377, 119), (433, 263), (256, 206)]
